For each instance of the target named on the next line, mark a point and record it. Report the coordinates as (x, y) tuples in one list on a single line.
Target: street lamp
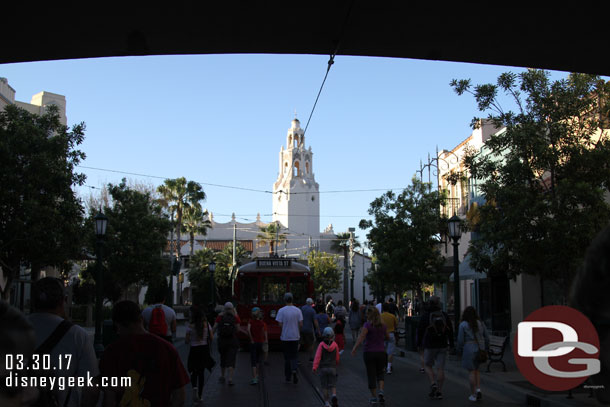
[(101, 222), (455, 232), (212, 269)]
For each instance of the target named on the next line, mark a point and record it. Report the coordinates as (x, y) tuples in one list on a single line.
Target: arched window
[(296, 169), (307, 167)]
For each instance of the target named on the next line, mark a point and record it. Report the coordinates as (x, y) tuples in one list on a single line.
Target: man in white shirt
[(290, 319), (73, 355)]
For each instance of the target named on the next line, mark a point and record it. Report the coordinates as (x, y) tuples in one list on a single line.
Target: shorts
[(228, 353), (328, 377), (390, 344), (435, 357), (256, 353)]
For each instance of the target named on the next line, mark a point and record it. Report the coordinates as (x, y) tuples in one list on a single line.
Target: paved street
[(405, 387)]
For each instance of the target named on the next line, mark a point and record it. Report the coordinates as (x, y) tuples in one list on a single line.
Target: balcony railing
[(454, 206)]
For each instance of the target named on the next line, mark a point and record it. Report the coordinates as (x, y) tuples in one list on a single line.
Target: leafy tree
[(135, 237), (545, 177), (404, 237), (199, 276), (269, 235), (326, 274), (225, 272), (178, 195), (195, 221), (40, 216)]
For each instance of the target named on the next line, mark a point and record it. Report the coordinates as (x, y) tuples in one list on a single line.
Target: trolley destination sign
[(273, 263)]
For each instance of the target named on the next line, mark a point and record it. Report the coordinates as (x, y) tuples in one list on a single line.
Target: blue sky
[(221, 119)]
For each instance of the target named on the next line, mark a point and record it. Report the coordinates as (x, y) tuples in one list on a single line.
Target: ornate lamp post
[(455, 232), (101, 222)]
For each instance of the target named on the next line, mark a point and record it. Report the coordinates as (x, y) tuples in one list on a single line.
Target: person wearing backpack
[(59, 338), (326, 360), (436, 335), (226, 326), (159, 319)]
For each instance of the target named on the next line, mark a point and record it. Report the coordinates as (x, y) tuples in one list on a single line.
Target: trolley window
[(298, 288), (273, 289), (248, 290)]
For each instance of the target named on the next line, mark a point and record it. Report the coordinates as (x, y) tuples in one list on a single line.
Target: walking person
[(340, 310), (199, 336), (310, 330), (257, 331), (290, 319), (322, 319), (374, 334), (354, 319), (158, 377), (339, 333), (327, 359), (159, 319), (390, 321), (472, 340), (226, 326), (435, 328)]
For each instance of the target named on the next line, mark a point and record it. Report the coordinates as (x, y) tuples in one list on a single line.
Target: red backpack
[(157, 324)]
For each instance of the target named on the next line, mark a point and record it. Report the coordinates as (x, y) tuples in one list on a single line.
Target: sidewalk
[(510, 383)]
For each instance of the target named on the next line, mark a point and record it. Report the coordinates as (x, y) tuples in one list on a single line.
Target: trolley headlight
[(272, 313)]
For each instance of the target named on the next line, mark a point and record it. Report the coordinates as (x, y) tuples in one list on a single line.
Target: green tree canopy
[(545, 177), (135, 237), (326, 274), (404, 237), (40, 216)]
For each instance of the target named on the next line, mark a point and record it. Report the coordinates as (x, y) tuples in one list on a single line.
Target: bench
[(497, 346)]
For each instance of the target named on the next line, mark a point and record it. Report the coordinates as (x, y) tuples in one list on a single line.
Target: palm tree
[(195, 221), (177, 195), (269, 235)]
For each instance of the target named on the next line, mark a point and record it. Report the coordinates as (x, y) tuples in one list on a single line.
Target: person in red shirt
[(257, 331), (158, 377)]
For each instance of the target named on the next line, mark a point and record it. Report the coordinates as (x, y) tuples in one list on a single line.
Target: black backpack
[(227, 326), (437, 322)]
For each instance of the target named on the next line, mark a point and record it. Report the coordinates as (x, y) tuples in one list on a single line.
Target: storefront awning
[(467, 272)]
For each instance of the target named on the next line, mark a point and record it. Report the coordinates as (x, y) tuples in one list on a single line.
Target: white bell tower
[(296, 198)]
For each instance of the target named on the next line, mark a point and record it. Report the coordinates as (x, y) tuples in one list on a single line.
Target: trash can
[(411, 324)]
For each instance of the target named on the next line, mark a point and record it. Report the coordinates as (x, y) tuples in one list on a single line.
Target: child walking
[(340, 333), (257, 331), (327, 359)]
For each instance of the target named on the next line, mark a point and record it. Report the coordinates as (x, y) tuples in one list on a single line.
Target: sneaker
[(472, 397), (421, 370), (295, 378), (254, 381), (479, 395), (221, 379), (230, 383), (433, 391), (381, 397), (326, 404), (438, 395), (334, 402), (373, 401)]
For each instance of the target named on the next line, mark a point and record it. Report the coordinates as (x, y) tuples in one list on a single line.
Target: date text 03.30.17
[(20, 362)]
